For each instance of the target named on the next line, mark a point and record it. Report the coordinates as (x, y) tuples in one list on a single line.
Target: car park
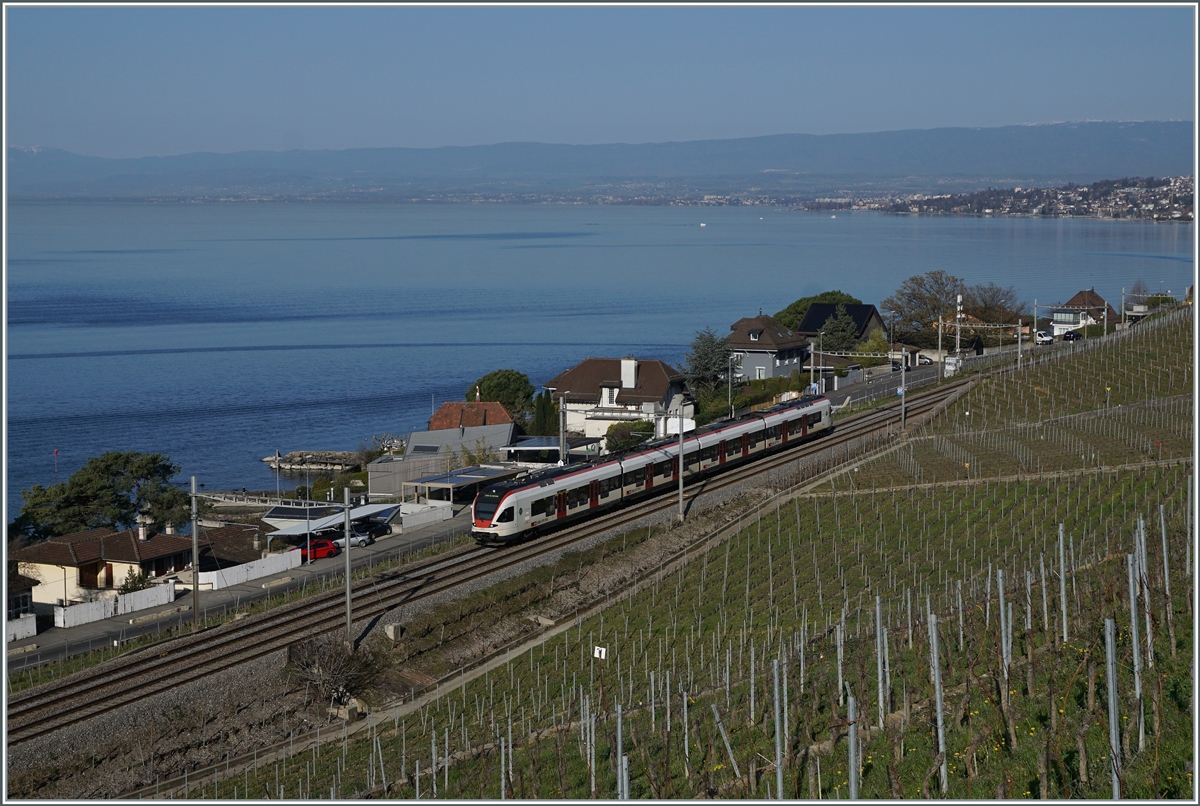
[(1042, 337), (320, 547), (1071, 335)]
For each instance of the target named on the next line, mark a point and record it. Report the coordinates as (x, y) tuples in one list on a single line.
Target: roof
[(453, 439), (233, 543), (19, 583), (769, 334), (460, 414), (582, 383), (1092, 303), (819, 312), (102, 545), (321, 524)]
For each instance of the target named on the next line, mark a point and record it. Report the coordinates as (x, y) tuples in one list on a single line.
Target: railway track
[(135, 677)]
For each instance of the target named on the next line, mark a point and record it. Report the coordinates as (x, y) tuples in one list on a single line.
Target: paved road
[(56, 643)]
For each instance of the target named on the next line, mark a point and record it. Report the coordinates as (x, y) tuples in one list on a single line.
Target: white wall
[(234, 575), (148, 597), (22, 627)]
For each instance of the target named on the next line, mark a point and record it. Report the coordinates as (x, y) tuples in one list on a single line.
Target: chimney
[(142, 522), (170, 529), (628, 373)]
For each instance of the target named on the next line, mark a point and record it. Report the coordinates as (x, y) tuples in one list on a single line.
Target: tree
[(1139, 289), (107, 493), (336, 671), (624, 435), (919, 301), (135, 580), (876, 343), (708, 362), (792, 315), (840, 331), (507, 387), (545, 416), (993, 303)]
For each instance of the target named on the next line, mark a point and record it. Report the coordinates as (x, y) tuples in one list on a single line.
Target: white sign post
[(600, 653)]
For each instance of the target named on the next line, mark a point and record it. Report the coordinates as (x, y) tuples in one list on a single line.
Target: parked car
[(924, 359), (373, 528), (1042, 337), (356, 539), (895, 366), (1071, 335), (321, 548)]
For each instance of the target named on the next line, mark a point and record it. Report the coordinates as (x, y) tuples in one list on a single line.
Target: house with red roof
[(91, 565), (1085, 308), (462, 414)]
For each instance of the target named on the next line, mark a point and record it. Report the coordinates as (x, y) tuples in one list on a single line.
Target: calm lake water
[(219, 333)]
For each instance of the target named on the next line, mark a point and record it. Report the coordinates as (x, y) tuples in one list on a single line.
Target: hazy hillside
[(948, 158)]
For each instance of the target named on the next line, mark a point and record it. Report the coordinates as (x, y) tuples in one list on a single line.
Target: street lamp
[(562, 428), (820, 352), (729, 377), (308, 498)]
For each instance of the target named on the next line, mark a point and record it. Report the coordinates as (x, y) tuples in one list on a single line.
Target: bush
[(336, 672), (135, 580)]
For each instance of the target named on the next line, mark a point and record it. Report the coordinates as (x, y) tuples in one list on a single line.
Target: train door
[(674, 468), (804, 426), (649, 471), (560, 502), (745, 444), (593, 494), (721, 452)]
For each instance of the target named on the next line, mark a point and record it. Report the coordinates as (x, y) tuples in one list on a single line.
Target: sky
[(146, 81)]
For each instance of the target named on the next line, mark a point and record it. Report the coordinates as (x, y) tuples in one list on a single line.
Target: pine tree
[(840, 332)]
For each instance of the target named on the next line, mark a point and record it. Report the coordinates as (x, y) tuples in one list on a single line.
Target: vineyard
[(931, 622)]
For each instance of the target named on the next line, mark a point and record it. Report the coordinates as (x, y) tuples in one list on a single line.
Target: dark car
[(321, 548), (1071, 335)]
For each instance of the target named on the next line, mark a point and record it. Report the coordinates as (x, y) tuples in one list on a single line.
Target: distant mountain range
[(917, 160)]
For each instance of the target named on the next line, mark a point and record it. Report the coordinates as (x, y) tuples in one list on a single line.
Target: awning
[(322, 524)]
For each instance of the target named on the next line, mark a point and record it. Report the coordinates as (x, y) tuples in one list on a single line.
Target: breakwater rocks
[(315, 460)]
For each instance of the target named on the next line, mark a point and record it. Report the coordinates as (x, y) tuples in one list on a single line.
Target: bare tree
[(333, 669), (993, 303), (921, 299)]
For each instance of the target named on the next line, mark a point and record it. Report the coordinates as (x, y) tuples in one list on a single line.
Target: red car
[(321, 548)]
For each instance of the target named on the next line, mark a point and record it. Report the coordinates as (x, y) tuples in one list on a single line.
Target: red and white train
[(519, 508)]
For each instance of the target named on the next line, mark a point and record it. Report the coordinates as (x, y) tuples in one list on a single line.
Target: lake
[(219, 333)]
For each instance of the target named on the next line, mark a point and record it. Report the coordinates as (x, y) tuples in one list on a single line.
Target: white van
[(1042, 337)]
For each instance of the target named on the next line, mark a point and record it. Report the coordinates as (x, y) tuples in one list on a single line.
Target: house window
[(760, 373), (610, 396), (753, 337)]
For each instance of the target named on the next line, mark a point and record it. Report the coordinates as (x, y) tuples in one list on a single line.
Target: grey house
[(430, 452), (766, 348)]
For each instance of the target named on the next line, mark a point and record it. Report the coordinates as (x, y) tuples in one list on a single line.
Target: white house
[(598, 392)]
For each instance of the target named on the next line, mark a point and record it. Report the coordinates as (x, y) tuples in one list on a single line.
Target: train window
[(814, 418), (689, 459), (753, 436), (486, 503), (576, 497), (542, 506), (664, 468), (708, 454), (506, 516), (635, 478), (773, 432)]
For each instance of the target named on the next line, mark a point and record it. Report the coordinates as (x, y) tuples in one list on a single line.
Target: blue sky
[(136, 81)]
